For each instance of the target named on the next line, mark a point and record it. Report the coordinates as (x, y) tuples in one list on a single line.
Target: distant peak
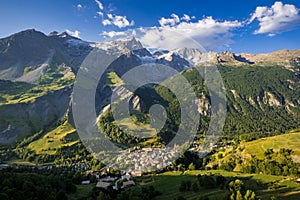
[(64, 34), (28, 33), (133, 44), (53, 33), (133, 39), (130, 43)]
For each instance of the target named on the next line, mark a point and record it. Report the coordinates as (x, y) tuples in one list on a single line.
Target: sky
[(253, 26)]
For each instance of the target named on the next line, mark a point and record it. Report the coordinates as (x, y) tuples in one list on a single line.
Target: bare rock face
[(281, 57), (270, 99), (132, 44), (137, 104), (203, 106), (173, 60), (235, 94), (251, 101), (226, 57)]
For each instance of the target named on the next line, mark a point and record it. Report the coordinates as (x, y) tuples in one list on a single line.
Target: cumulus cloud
[(208, 32), (75, 33), (117, 20), (275, 19), (111, 19), (169, 21), (174, 19), (100, 5), (185, 17), (106, 22)]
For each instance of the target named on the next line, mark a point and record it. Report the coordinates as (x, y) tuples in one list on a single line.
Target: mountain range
[(37, 73), (35, 50)]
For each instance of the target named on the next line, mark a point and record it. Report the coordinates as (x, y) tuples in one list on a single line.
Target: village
[(137, 161), (134, 163), (131, 163)]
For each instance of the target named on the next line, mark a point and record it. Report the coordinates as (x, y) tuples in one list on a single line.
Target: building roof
[(137, 173), (85, 182), (101, 184), (128, 183)]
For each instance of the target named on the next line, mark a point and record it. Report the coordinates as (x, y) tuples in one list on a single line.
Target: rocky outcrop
[(271, 100), (282, 57), (137, 104), (251, 101), (203, 106), (235, 94), (131, 44), (173, 60)]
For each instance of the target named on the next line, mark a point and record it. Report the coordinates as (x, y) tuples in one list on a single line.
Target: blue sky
[(251, 26)]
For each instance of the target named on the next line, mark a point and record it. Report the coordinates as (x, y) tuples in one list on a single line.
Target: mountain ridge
[(252, 91), (31, 45)]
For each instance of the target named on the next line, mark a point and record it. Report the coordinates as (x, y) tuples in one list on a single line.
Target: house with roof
[(128, 184), (103, 185)]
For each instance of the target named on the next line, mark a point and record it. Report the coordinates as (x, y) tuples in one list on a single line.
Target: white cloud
[(100, 13), (110, 16), (271, 34), (106, 22), (208, 32), (79, 6), (75, 33), (174, 20), (169, 21), (185, 17), (276, 19), (117, 20), (100, 5), (113, 33)]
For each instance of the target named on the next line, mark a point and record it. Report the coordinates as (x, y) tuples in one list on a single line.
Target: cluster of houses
[(105, 181), (124, 181), (139, 160), (134, 163)]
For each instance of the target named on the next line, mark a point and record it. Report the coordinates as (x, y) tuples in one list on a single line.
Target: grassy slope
[(63, 135), (142, 128), (288, 141), (113, 79), (28, 92), (55, 78), (168, 183)]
